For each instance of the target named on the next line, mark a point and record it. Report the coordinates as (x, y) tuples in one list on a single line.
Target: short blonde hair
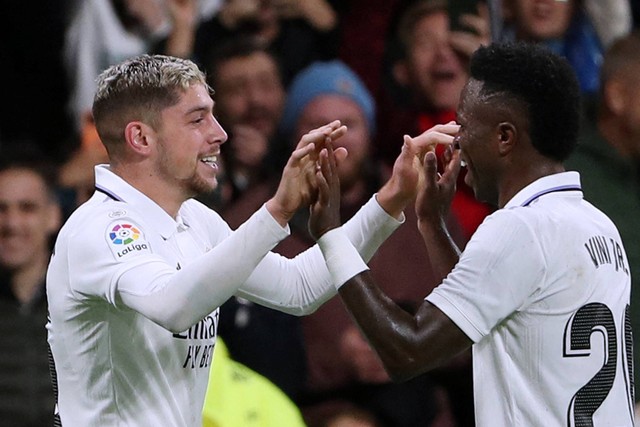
[(139, 89)]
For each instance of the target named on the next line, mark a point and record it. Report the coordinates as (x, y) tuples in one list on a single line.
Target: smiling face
[(188, 144), (542, 19), (249, 92), (432, 66), (325, 108), (28, 217), (477, 139)]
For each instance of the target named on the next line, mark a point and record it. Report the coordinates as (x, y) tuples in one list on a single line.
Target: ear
[(507, 134), (140, 137), (401, 73)]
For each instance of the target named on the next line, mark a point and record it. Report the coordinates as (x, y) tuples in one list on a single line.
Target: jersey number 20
[(589, 319)]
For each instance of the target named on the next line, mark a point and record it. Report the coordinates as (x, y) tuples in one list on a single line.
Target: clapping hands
[(299, 183)]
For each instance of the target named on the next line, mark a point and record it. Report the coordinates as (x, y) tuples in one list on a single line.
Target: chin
[(202, 186)]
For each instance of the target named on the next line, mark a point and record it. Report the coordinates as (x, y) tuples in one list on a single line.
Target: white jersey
[(543, 290), (116, 367)]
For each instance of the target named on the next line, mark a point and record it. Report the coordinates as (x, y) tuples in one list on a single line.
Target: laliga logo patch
[(125, 238), (123, 234)]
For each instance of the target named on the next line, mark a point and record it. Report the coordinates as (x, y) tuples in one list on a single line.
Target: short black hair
[(546, 84), (27, 155)]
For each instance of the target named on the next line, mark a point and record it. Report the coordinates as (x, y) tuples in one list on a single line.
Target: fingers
[(337, 133), (452, 165), (322, 172), (439, 134), (300, 152), (431, 169)]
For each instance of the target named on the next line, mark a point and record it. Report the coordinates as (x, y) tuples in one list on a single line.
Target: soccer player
[(139, 271), (541, 291)]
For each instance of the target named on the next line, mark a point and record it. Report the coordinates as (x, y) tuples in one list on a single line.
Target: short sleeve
[(501, 267)]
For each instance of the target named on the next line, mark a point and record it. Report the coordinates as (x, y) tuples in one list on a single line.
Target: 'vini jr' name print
[(603, 251)]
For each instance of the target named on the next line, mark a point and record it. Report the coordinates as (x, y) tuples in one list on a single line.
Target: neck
[(525, 176), (169, 198)]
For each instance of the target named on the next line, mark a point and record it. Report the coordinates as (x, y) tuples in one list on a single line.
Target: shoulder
[(99, 228)]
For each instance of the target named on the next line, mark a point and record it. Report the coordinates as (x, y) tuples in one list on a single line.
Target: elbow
[(174, 322), (175, 326), (407, 360), (404, 370)]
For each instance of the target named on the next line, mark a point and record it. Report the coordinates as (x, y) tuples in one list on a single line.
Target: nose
[(10, 218), (218, 134)]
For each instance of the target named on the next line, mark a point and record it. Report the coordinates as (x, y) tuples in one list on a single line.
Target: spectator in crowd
[(568, 29), (105, 32), (427, 66), (608, 153), (29, 219), (249, 101), (298, 31)]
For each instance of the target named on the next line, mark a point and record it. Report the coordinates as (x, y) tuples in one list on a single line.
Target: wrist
[(392, 200), (432, 224), (342, 259), (278, 212)]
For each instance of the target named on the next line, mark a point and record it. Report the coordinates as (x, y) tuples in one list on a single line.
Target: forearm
[(178, 299), (407, 345), (371, 226), (443, 252)]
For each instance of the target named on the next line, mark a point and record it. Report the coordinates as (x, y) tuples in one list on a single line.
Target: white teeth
[(209, 159)]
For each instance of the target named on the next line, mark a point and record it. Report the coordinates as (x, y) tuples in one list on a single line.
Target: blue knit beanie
[(325, 78)]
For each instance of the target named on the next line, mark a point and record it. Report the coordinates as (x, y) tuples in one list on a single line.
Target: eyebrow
[(199, 108)]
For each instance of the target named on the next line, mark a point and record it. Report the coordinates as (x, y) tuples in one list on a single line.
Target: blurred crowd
[(280, 68)]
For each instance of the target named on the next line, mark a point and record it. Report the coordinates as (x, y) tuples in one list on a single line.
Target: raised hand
[(325, 211), (402, 186), (434, 198), (298, 185), (478, 34)]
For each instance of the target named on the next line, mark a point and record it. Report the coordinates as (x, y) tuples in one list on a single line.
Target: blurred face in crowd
[(325, 108), (432, 67), (28, 218), (249, 92), (622, 95), (541, 19)]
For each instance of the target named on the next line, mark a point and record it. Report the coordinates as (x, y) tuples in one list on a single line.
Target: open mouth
[(210, 160)]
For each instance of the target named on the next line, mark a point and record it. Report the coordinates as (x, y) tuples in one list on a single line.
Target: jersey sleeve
[(300, 285), (101, 248), (500, 269)]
